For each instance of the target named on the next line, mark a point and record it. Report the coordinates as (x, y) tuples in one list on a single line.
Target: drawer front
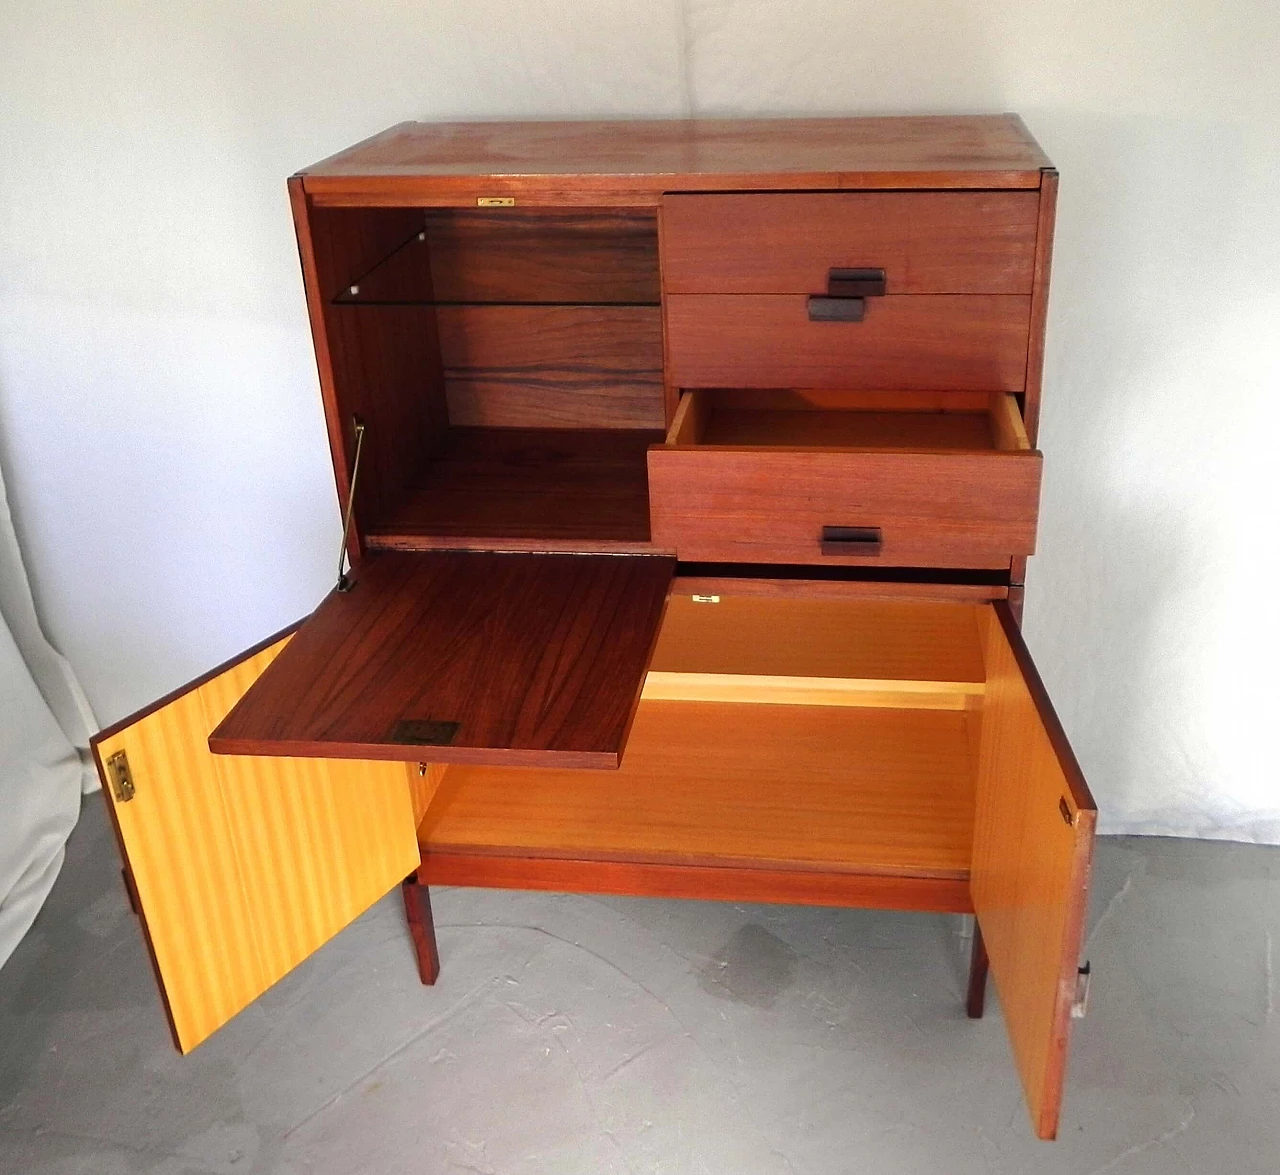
[(958, 342), (771, 506), (926, 242)]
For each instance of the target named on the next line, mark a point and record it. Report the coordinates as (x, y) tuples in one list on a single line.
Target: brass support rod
[(344, 581)]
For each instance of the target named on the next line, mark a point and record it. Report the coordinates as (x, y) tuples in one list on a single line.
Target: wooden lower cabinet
[(690, 476), (898, 754)]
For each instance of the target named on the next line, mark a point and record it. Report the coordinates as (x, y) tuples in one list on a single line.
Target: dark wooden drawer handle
[(851, 540), (847, 291), (836, 309), (855, 283)]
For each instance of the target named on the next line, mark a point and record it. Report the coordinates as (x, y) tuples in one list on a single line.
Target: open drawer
[(892, 479)]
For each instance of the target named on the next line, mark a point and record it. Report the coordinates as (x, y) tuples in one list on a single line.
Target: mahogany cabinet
[(690, 477)]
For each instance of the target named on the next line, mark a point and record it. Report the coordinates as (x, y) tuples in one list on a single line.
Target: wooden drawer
[(926, 242), (740, 272), (762, 477), (968, 342)]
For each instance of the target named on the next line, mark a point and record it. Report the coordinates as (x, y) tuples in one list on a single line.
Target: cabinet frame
[(439, 386)]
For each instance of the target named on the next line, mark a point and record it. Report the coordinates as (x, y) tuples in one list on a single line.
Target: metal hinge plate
[(424, 732), (121, 777)]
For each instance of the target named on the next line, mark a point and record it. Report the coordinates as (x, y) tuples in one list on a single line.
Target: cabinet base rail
[(707, 882)]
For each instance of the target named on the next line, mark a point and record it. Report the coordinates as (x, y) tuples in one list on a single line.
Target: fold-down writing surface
[(464, 657)]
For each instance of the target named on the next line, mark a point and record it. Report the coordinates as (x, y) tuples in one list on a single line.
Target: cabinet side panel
[(1033, 841), (1040, 299), (386, 373), (379, 363)]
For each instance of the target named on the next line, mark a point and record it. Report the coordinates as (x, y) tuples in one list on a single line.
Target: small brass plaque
[(706, 599), (424, 732), (121, 777), (495, 201)]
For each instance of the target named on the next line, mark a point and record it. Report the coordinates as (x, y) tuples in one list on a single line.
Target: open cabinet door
[(1033, 844), (242, 867)]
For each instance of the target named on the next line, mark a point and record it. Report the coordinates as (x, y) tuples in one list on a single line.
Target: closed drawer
[(973, 342), (926, 242), (940, 481)]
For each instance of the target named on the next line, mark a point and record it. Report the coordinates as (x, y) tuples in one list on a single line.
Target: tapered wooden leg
[(130, 892), (978, 963), (417, 908)]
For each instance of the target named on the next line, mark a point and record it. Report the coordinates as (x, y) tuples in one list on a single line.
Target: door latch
[(121, 777), (1080, 1005)]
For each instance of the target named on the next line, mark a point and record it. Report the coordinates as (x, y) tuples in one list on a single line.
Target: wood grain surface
[(424, 778), (902, 641), (538, 659), (244, 867), (786, 243), (963, 342), (760, 650), (540, 255), (635, 162), (826, 429), (386, 372), (1032, 847), (1040, 299), (827, 789), (758, 505), (378, 363), (1007, 427), (788, 690), (505, 255), (538, 485), (553, 366), (842, 419)]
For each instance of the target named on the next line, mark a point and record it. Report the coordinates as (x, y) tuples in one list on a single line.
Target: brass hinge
[(1080, 1005), (121, 777)]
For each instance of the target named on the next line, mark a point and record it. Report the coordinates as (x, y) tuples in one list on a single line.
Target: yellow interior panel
[(244, 866), (1033, 837)]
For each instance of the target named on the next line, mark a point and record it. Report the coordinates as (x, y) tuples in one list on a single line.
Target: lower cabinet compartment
[(852, 751), (819, 797), (784, 750), (884, 753)]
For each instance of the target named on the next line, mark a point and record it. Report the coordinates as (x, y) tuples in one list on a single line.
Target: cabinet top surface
[(643, 155)]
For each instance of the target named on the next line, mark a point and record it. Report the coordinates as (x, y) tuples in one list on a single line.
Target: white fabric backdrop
[(43, 716), (158, 408)]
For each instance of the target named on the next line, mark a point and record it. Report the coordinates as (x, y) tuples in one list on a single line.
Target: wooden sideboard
[(690, 477)]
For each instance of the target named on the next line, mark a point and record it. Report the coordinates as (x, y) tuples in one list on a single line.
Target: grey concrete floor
[(574, 1034)]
